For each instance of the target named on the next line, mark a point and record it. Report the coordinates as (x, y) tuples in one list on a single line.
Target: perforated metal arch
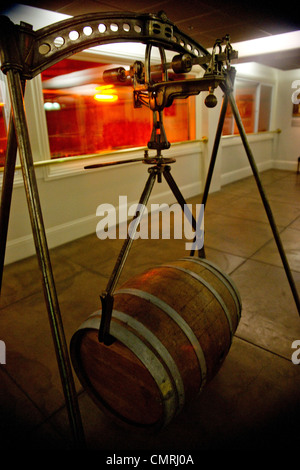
[(60, 40)]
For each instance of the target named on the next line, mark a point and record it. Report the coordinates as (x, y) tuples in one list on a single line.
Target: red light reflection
[(89, 117)]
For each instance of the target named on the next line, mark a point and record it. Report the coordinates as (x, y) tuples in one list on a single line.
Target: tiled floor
[(254, 400)]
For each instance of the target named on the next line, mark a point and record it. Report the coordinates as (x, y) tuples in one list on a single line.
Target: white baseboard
[(241, 173), (19, 248), (285, 165), (23, 247)]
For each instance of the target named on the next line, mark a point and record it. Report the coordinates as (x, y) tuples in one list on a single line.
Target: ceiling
[(206, 20)]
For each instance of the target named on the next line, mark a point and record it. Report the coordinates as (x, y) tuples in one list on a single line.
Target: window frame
[(66, 166), (258, 84)]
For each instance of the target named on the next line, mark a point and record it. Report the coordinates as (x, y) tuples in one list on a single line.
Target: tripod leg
[(265, 201), (213, 158), (107, 296), (215, 149), (16, 95), (6, 194), (179, 197)]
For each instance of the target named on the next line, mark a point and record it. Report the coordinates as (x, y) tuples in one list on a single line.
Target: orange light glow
[(95, 116), (101, 97), (111, 97)]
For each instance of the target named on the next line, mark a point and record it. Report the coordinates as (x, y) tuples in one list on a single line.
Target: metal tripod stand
[(156, 171)]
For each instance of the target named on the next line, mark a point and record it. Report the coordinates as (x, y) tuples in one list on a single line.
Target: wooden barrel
[(173, 326)]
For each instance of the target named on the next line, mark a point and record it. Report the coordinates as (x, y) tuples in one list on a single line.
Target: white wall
[(232, 162), (69, 201), (289, 142)]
